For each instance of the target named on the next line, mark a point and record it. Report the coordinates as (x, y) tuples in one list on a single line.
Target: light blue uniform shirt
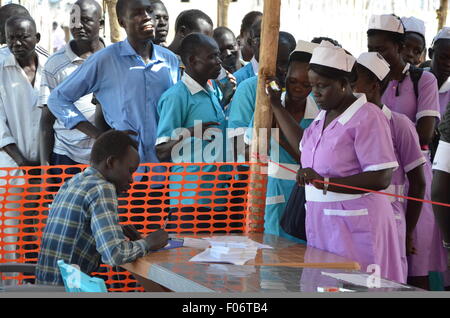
[(242, 107), (248, 71), (127, 88), (183, 105), (180, 107)]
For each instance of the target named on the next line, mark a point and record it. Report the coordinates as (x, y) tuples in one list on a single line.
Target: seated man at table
[(83, 223)]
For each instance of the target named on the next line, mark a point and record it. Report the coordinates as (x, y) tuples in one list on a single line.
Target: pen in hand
[(167, 220)]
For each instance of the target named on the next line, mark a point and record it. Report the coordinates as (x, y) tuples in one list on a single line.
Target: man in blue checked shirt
[(127, 78), (83, 223)]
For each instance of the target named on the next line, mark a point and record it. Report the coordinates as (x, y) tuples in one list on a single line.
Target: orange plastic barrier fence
[(205, 198)]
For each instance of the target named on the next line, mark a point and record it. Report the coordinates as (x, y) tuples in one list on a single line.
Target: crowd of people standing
[(376, 122)]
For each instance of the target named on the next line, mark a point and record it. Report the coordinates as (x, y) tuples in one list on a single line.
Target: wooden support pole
[(222, 12), (442, 14), (113, 22), (263, 117)]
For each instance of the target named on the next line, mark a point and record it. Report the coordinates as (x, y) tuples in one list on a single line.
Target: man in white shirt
[(6, 12), (21, 71), (19, 114), (61, 146)]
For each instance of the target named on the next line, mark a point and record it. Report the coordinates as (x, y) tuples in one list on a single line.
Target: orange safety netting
[(204, 198)]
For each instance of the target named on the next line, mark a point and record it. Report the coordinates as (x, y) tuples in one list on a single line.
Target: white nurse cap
[(413, 24), (332, 56), (307, 47), (375, 63), (444, 33), (386, 22)]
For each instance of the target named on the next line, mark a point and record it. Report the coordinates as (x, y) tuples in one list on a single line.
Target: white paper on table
[(235, 256), (196, 243), (235, 242), (363, 280)]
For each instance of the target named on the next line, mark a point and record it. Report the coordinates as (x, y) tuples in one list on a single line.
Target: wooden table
[(284, 253)]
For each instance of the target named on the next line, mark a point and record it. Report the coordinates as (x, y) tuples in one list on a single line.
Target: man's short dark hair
[(17, 19), (249, 19), (440, 41), (95, 3), (192, 43), (121, 7), (286, 37), (10, 10), (189, 19), (113, 143), (220, 31)]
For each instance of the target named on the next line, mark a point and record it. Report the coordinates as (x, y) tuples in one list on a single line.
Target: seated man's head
[(137, 18), (228, 48), (115, 155), (8, 11), (21, 36), (193, 21), (201, 55)]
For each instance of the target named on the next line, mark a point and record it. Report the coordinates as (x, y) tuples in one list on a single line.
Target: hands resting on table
[(155, 240)]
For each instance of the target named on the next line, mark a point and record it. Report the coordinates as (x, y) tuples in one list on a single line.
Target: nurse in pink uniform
[(385, 36), (372, 69), (349, 143)]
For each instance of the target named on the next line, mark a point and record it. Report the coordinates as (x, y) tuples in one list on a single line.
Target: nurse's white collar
[(192, 85), (348, 114), (387, 112), (351, 111)]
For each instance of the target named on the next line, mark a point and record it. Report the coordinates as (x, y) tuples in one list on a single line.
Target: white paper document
[(235, 242), (365, 280), (235, 256), (196, 243)]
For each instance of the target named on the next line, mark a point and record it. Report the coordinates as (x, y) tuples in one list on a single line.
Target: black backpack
[(416, 74)]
